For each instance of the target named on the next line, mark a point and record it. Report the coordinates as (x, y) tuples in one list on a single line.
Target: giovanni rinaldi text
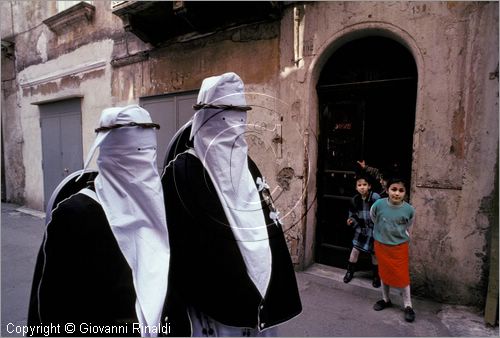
[(86, 328)]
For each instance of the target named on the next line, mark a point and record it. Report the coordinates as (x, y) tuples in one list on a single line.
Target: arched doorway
[(367, 96)]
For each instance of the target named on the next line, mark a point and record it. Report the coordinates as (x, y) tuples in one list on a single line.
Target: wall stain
[(284, 177)]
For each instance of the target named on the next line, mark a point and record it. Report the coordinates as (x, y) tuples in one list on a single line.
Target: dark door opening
[(367, 96)]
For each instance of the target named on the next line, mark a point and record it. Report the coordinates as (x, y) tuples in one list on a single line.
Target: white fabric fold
[(219, 142), (129, 189)]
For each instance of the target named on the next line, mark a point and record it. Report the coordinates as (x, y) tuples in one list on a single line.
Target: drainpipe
[(298, 34)]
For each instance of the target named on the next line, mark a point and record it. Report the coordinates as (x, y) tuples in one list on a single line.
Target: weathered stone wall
[(454, 234), (12, 138), (49, 67), (455, 46), (182, 66), (253, 53)]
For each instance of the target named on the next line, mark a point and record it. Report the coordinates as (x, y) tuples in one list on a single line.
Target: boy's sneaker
[(382, 304), (409, 314)]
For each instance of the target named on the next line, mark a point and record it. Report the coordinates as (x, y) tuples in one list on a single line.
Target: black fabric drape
[(81, 276), (207, 271)]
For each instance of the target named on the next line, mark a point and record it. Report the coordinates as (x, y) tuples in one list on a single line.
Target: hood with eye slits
[(219, 142), (129, 189)]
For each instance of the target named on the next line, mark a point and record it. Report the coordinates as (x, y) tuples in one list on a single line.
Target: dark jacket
[(81, 275), (207, 271)]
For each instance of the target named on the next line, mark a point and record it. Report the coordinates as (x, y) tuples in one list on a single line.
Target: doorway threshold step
[(360, 285)]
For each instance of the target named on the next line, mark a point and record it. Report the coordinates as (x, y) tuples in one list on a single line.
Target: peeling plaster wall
[(455, 46), (94, 88), (253, 53), (455, 175), (6, 25), (50, 67), (12, 137), (182, 66)]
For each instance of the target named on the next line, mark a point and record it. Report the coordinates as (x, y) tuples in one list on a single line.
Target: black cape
[(81, 275), (207, 271)]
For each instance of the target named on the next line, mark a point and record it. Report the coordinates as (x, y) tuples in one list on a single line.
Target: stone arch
[(311, 77)]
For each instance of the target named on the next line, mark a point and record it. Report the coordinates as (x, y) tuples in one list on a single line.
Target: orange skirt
[(393, 264)]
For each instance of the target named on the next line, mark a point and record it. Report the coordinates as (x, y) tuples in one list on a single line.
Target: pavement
[(331, 308)]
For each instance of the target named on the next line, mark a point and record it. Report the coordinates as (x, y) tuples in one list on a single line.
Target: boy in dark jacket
[(359, 219)]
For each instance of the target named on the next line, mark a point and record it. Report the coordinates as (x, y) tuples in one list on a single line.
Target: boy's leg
[(351, 265), (353, 258)]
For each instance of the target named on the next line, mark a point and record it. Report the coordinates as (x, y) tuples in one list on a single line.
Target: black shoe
[(409, 314), (381, 304), (350, 272), (348, 276)]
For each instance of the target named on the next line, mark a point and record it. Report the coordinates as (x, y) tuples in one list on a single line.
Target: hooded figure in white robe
[(231, 272), (105, 256)]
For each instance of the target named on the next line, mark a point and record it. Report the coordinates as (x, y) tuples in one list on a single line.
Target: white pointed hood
[(129, 189), (218, 134)]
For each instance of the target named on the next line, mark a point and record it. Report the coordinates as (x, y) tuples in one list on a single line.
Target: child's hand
[(362, 164)]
